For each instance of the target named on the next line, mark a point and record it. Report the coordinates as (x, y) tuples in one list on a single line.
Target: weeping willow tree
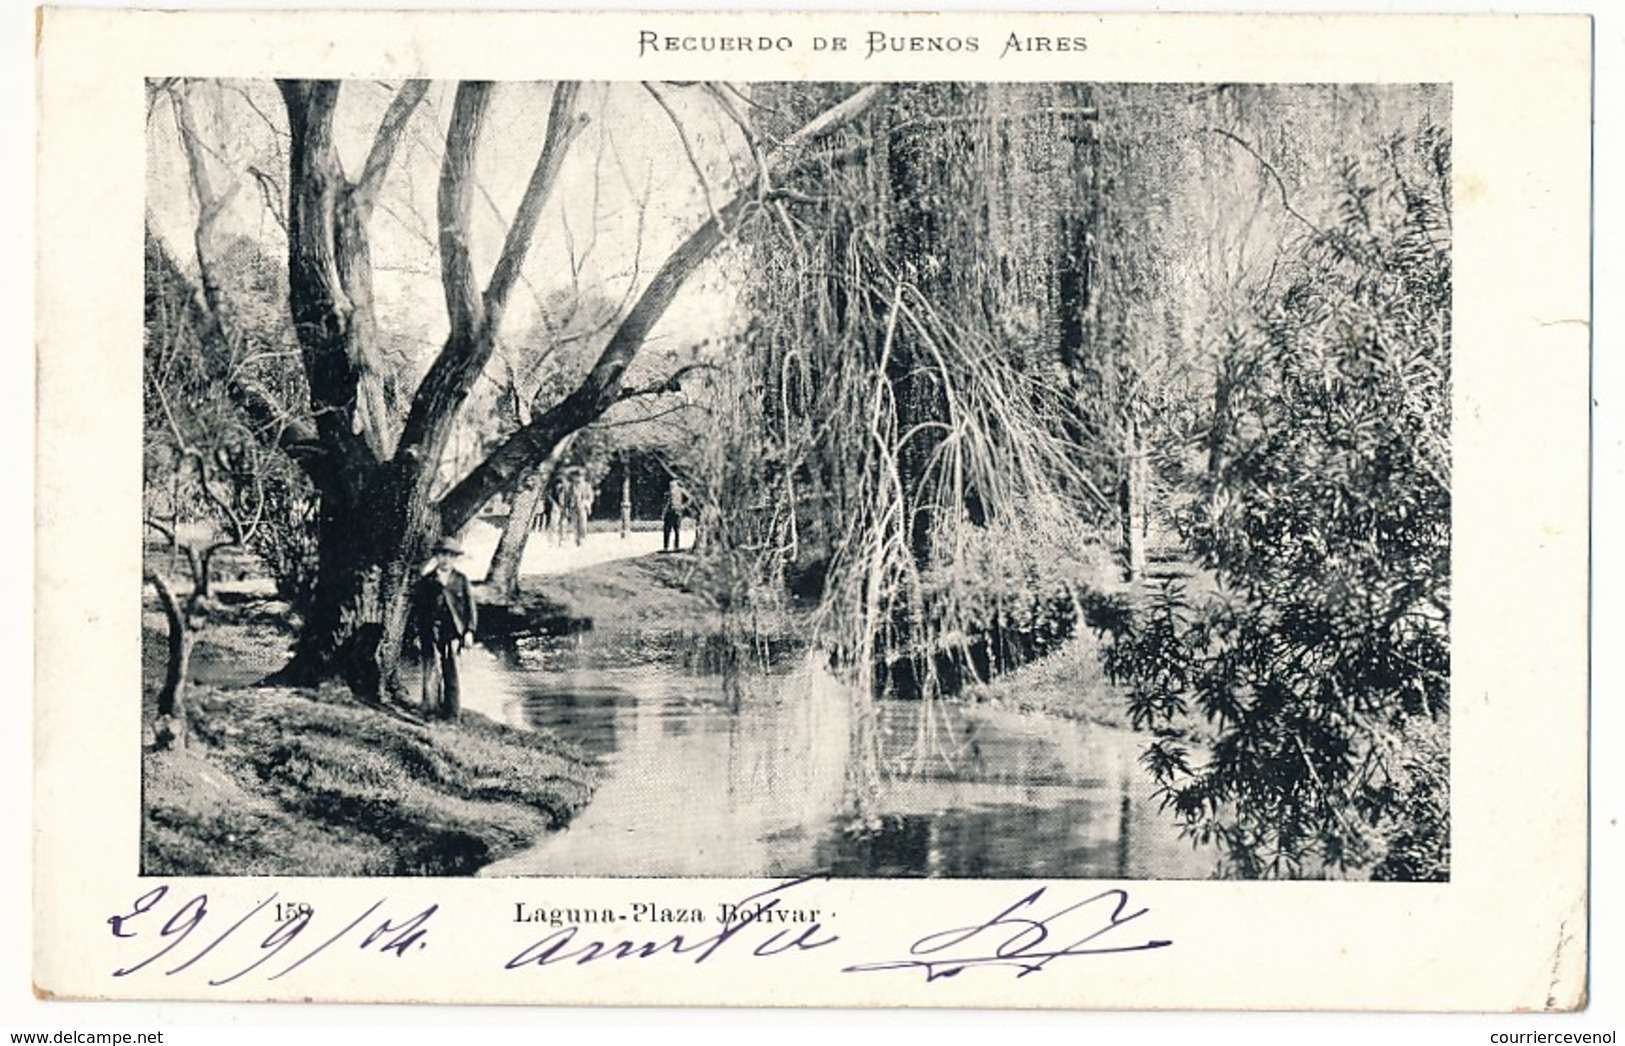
[(901, 451)]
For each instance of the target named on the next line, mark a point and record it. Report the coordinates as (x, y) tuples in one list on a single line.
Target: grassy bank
[(280, 781), (1068, 683), (291, 782), (645, 594), (283, 781), (1071, 681), (664, 609)]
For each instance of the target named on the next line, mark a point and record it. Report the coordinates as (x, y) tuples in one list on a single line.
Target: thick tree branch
[(321, 309), (601, 387), (831, 119), (475, 319), (365, 190), (210, 203), (170, 694), (456, 208), (562, 127)]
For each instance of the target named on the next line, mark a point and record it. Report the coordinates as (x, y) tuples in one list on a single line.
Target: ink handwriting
[(1019, 938), (165, 932), (269, 939), (744, 934)]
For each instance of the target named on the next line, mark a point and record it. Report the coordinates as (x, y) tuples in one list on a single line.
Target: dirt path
[(544, 556)]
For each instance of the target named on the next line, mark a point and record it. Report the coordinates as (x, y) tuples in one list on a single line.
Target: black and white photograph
[(698, 478), (931, 511)]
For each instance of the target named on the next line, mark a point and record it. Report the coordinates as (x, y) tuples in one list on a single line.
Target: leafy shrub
[(286, 539), (1317, 682)]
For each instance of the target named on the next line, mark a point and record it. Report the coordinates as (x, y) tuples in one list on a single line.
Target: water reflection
[(693, 788)]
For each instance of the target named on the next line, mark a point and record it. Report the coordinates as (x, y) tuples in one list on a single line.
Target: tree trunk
[(395, 598), (172, 695), (375, 521), (503, 577), (1134, 507), (357, 623), (369, 548), (917, 183), (1225, 381), (916, 242), (335, 638), (626, 497)]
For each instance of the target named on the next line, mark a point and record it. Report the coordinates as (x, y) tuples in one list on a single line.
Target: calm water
[(695, 786)]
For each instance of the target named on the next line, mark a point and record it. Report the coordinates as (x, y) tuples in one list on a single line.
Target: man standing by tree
[(446, 615), (378, 466)]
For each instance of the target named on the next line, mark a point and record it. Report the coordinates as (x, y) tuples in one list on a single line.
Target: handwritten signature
[(1018, 937), (562, 946), (155, 918)]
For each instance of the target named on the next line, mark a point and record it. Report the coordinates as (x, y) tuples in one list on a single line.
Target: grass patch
[(1068, 682), (298, 782)]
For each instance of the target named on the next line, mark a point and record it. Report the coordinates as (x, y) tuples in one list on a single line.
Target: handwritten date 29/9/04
[(1021, 938), (177, 936)]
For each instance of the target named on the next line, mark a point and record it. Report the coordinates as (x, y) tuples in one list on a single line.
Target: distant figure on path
[(579, 491), (671, 518), (445, 613), (558, 499), (546, 508)]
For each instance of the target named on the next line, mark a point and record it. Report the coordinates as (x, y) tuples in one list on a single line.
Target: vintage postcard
[(813, 510)]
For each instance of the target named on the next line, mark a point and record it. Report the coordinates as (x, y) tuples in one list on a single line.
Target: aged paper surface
[(1507, 929)]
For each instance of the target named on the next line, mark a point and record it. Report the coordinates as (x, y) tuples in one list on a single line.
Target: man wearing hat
[(445, 614)]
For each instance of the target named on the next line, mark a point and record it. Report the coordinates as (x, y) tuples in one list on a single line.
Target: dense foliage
[(1304, 706), (217, 395)]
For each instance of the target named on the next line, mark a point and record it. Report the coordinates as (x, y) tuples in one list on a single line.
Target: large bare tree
[(378, 514), (381, 512)]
